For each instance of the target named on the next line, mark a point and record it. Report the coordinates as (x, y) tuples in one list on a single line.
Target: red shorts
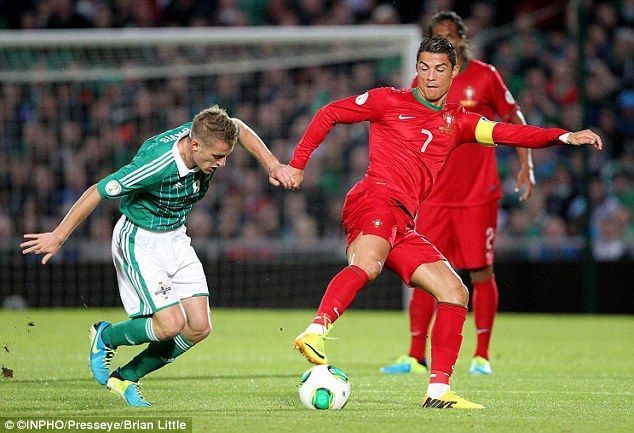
[(368, 209), (465, 234)]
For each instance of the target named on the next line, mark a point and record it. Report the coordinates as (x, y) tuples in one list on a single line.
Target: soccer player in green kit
[(161, 280)]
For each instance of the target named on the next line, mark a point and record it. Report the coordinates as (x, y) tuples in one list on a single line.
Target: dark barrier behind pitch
[(553, 287)]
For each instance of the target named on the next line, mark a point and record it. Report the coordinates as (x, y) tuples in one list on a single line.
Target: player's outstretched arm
[(279, 174), (49, 243), (493, 133)]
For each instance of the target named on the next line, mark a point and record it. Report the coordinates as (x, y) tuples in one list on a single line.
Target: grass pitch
[(551, 374)]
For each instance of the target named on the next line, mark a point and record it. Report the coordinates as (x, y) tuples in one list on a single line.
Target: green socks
[(137, 330), (155, 356)]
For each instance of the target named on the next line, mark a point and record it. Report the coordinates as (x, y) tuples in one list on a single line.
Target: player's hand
[(526, 182), (585, 137), (298, 177), (42, 243), (281, 175)]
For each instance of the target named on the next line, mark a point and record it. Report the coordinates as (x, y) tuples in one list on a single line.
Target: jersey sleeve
[(478, 129), (368, 106), (143, 171)]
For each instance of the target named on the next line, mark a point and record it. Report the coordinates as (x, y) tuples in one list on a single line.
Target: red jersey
[(410, 138), (478, 88)]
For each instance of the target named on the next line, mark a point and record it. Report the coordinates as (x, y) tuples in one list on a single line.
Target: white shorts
[(155, 270)]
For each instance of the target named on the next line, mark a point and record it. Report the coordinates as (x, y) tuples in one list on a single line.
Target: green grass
[(551, 374)]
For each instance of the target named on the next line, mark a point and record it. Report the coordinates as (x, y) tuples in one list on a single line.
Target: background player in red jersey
[(460, 215), (412, 131)]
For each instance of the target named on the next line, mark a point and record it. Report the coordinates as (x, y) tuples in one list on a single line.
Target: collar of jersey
[(424, 102), (182, 168)]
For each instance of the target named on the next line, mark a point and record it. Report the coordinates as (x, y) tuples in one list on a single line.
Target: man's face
[(434, 76), (448, 30), (210, 156)]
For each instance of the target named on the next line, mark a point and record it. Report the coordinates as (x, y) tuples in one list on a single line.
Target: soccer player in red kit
[(412, 131), (460, 214)]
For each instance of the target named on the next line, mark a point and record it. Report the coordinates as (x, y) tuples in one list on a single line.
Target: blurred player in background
[(460, 214), (412, 131), (161, 280)]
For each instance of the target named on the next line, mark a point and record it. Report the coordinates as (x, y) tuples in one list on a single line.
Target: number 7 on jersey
[(429, 139)]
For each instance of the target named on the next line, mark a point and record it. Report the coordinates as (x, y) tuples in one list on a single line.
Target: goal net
[(82, 101)]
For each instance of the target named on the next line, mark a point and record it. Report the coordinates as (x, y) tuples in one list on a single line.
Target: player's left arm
[(490, 133), (279, 174)]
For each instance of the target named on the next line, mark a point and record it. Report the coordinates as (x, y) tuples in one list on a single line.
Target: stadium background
[(60, 137)]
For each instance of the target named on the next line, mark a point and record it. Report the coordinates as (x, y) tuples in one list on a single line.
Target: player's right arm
[(368, 106), (49, 243), (141, 172)]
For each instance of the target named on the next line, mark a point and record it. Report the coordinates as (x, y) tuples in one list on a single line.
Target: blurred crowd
[(58, 139)]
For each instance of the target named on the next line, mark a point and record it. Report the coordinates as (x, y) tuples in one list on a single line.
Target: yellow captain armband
[(484, 132)]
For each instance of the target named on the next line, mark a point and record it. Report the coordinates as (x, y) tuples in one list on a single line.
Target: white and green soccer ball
[(324, 387)]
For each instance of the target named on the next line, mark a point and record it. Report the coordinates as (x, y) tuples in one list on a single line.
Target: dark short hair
[(437, 46), (448, 16)]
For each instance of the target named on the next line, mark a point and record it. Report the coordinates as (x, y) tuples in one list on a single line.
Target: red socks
[(485, 306), (340, 293), (446, 338), (421, 311)]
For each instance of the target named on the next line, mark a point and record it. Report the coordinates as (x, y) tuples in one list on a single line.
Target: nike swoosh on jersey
[(403, 117)]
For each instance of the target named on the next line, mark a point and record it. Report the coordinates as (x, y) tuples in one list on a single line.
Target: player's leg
[(371, 223), (434, 222), (147, 295), (422, 308), (168, 324), (144, 290), (475, 228), (420, 264), (160, 353), (446, 336), (187, 323), (366, 255), (485, 305), (189, 285)]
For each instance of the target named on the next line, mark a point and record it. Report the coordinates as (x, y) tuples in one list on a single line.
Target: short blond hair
[(214, 123)]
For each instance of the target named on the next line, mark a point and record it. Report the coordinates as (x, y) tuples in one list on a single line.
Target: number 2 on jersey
[(429, 139)]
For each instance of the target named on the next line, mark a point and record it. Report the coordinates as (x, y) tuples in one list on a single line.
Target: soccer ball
[(324, 387)]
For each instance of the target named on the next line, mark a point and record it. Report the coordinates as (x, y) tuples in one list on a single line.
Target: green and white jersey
[(157, 190)]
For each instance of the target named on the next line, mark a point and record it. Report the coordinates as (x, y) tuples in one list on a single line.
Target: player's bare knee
[(196, 333), (454, 292), (201, 334), (169, 326), (373, 269), (461, 294), (374, 272)]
